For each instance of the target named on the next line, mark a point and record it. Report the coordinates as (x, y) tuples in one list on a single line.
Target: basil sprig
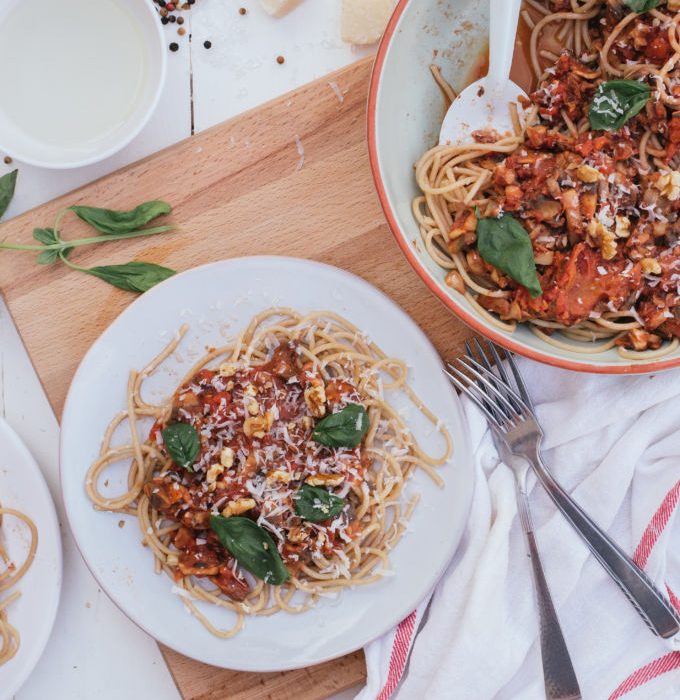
[(316, 504), (617, 101), (252, 547), (7, 184), (342, 429), (182, 443), (110, 221), (135, 276), (505, 243), (641, 5)]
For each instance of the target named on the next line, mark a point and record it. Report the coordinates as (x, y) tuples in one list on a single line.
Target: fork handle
[(638, 587), (558, 671)]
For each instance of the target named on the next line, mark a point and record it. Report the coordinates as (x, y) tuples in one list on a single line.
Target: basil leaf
[(7, 184), (505, 243), (315, 504), (48, 236), (252, 547), (133, 276), (47, 257), (111, 221), (641, 5), (617, 101), (342, 429), (182, 443)]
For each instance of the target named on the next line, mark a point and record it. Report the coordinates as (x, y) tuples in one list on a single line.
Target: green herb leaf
[(47, 257), (252, 547), (505, 244), (7, 184), (133, 276), (315, 504), (182, 443), (342, 429), (48, 236), (111, 221), (617, 101), (641, 5)]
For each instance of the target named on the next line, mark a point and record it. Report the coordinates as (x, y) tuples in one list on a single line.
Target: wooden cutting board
[(240, 188)]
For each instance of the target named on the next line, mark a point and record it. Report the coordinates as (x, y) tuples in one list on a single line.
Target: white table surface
[(95, 651)]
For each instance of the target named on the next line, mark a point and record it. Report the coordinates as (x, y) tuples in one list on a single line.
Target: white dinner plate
[(218, 301), (23, 488)]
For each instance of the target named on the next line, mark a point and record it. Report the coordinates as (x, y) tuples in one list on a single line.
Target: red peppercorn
[(170, 6)]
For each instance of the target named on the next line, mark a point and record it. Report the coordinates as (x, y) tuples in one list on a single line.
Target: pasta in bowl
[(557, 240)]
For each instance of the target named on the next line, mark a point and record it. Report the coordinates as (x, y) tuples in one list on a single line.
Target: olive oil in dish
[(74, 70)]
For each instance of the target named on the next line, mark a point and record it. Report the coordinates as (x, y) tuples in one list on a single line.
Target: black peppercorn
[(207, 44), (174, 46), (172, 18), (164, 20)]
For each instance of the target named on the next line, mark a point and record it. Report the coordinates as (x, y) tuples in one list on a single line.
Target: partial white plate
[(23, 488), (218, 301)]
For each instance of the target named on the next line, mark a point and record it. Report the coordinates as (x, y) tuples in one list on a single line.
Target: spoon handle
[(504, 16)]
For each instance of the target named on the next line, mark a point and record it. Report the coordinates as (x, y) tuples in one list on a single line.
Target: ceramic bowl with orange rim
[(405, 111)]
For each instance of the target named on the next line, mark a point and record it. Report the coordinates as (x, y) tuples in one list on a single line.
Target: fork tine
[(471, 355), (465, 388), (493, 349), (494, 384), (519, 381)]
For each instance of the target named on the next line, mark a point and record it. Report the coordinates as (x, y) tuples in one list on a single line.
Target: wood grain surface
[(239, 188)]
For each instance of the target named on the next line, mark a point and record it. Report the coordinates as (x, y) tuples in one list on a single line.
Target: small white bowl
[(101, 112), (405, 112)]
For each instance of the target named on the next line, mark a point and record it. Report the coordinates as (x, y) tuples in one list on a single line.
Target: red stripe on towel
[(666, 663), (656, 526), (400, 650)]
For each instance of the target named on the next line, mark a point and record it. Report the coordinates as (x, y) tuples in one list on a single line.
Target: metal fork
[(510, 414), (558, 671)]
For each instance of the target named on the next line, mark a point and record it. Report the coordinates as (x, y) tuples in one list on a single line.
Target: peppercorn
[(181, 31), (242, 10), (8, 160), (174, 46), (161, 2), (164, 20), (191, 2), (180, 20), (170, 6), (164, 13), (207, 44), (280, 60)]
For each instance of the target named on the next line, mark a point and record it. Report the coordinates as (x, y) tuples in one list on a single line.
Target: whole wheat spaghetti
[(297, 441), (599, 203), (10, 575)]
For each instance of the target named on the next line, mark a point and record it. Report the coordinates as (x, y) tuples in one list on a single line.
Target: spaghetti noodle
[(10, 576), (600, 205), (261, 407)]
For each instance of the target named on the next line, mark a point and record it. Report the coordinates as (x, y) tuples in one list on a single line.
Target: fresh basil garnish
[(342, 429), (133, 276), (641, 5), (182, 443), (617, 101), (315, 504), (252, 547), (505, 243), (7, 184), (110, 221)]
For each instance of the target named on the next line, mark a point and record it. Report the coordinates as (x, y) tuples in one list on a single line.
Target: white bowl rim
[(473, 321), (132, 134)]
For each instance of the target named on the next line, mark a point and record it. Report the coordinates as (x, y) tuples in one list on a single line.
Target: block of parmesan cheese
[(364, 21), (278, 8)]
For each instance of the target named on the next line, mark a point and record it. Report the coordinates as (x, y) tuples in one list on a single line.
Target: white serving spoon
[(484, 104)]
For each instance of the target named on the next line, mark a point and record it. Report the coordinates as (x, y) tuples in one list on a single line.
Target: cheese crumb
[(364, 21)]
